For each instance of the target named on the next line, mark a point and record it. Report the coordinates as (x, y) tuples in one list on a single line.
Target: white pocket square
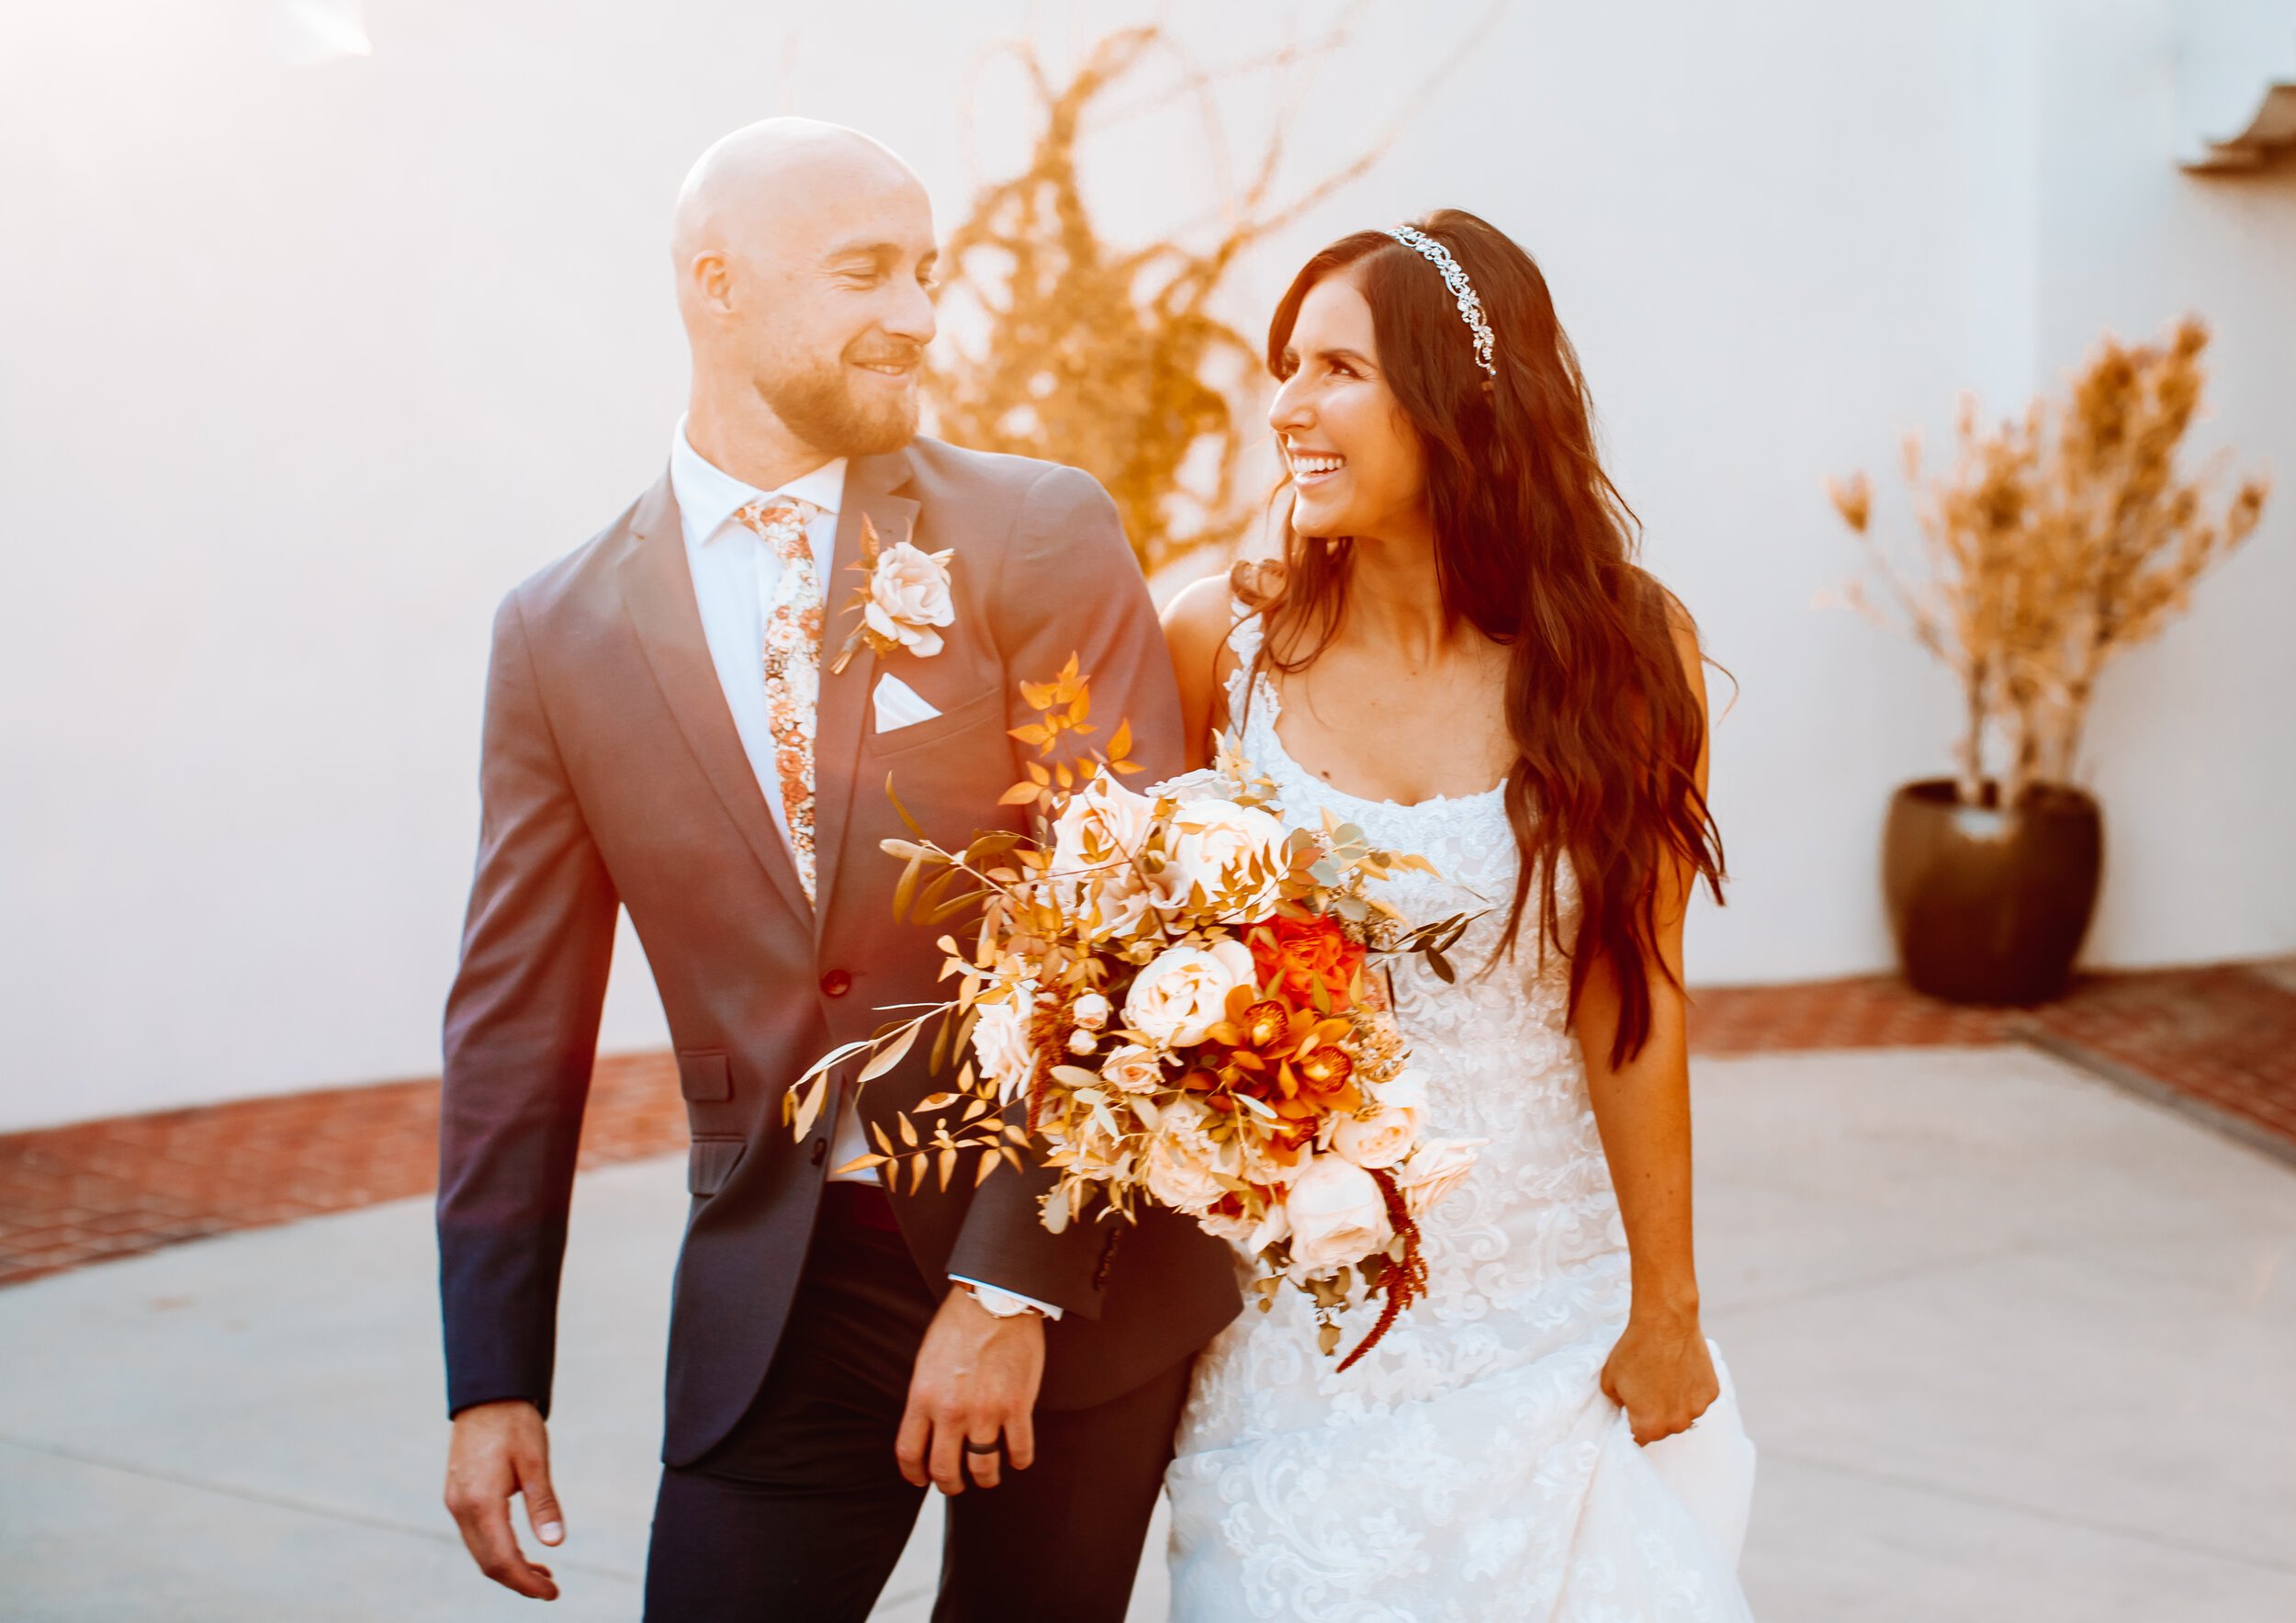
[(897, 704)]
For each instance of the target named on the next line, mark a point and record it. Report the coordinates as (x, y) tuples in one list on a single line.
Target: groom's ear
[(712, 280)]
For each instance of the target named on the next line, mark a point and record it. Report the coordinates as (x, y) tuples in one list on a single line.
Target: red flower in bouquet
[(1310, 959)]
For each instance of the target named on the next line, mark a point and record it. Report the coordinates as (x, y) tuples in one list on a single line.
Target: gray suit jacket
[(613, 777)]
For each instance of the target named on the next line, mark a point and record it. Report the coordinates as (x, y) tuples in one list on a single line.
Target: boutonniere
[(903, 596)]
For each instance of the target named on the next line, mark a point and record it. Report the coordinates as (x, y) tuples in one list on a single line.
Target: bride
[(1458, 654)]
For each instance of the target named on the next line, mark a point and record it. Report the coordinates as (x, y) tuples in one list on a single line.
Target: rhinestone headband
[(1471, 307)]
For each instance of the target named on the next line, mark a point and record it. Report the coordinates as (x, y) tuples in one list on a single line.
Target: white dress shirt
[(735, 576)]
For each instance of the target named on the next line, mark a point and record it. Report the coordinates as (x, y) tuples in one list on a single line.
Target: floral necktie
[(792, 664)]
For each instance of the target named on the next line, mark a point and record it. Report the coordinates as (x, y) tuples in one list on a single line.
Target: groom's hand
[(976, 1378), (499, 1449)]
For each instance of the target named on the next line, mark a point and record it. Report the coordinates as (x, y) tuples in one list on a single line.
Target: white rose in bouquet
[(1088, 1148), (1000, 1042), (1105, 817), (1274, 1226), (1384, 1136), (908, 595), (1120, 905), (1338, 1215), (1090, 1011), (1133, 1069), (1247, 1233), (1434, 1169), (1217, 843), (1164, 890), (1235, 1228), (1184, 1162), (1188, 785), (1100, 828), (1183, 993)]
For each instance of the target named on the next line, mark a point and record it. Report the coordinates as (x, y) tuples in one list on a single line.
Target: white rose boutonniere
[(903, 599)]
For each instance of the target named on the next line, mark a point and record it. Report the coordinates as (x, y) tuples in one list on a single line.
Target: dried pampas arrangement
[(2051, 544)]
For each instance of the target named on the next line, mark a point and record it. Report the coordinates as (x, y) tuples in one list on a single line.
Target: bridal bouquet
[(1177, 993)]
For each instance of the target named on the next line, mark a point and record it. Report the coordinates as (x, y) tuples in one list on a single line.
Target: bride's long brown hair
[(1535, 548)]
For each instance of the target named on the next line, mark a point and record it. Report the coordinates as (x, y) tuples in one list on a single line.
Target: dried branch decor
[(1113, 360), (2051, 544)]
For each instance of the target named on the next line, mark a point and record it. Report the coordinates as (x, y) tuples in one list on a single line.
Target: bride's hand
[(1661, 1375)]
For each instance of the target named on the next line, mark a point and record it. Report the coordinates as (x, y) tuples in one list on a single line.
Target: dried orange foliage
[(1063, 706), (2051, 544), (1112, 359)]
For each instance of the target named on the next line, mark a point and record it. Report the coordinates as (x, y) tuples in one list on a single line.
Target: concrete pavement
[(2014, 1345)]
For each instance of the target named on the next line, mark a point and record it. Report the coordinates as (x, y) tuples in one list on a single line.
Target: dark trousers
[(800, 1512)]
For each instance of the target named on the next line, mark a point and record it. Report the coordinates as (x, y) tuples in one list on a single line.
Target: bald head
[(804, 254), (774, 175)]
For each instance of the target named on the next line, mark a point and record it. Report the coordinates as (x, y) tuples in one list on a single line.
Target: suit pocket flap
[(702, 1075), (710, 1162)]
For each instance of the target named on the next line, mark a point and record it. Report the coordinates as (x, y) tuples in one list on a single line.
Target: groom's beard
[(821, 408)]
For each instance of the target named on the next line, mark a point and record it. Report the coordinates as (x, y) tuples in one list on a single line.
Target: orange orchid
[(1288, 1058)]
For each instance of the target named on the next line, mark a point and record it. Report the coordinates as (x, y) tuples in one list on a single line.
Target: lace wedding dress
[(1469, 1467)]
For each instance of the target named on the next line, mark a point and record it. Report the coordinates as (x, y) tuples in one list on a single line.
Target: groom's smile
[(901, 363), (901, 368)]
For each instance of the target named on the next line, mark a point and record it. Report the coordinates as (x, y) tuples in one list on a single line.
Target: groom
[(666, 731)]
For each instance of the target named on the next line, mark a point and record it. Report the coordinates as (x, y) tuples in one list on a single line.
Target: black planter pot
[(1989, 904)]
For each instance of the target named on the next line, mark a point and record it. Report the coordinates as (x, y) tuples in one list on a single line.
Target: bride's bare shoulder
[(1198, 619), (1199, 629)]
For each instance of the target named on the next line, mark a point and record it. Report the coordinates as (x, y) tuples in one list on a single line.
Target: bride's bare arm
[(1196, 627), (1659, 1371)]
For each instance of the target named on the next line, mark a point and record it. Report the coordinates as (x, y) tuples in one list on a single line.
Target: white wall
[(302, 365)]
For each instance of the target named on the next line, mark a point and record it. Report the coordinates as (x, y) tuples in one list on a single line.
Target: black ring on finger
[(994, 1446)]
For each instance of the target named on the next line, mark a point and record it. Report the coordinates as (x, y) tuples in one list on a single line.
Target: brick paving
[(1868, 1011), (2218, 1040), (2222, 1037), (113, 1188)]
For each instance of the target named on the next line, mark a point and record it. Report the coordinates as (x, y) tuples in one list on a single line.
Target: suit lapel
[(658, 589), (870, 486)]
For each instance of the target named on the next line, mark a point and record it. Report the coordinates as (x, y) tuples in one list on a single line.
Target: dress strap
[(1244, 642)]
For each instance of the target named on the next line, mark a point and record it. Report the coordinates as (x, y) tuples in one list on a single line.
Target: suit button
[(836, 983), (820, 1150)]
